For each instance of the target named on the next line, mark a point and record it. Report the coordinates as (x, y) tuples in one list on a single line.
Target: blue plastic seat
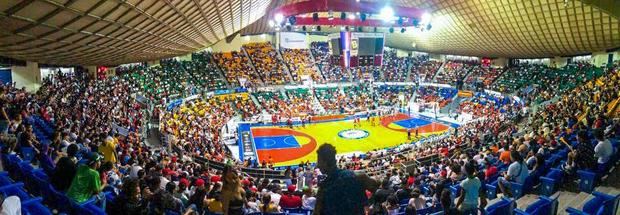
[(505, 206), (16, 189), (551, 182), (34, 207), (5, 179), (587, 180), (544, 206), (27, 153), (601, 204)]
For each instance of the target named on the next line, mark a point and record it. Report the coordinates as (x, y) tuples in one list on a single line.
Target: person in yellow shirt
[(267, 206), (108, 149), (215, 204)]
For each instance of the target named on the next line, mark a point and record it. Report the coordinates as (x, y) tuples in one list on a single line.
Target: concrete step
[(570, 199), (526, 200), (608, 190)]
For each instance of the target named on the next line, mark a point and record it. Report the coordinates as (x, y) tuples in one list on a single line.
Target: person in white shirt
[(11, 206), (308, 201), (276, 195), (603, 149)]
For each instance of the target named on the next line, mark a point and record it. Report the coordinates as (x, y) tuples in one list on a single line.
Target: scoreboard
[(357, 48)]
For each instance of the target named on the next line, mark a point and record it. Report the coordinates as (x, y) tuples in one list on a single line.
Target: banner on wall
[(5, 76), (293, 40), (354, 45)]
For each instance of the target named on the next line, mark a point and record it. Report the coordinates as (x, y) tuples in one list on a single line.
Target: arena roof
[(107, 32), (100, 32), (506, 28)]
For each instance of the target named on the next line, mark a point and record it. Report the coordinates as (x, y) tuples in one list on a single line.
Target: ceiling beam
[(612, 7)]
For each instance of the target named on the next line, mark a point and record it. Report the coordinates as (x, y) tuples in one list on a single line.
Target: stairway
[(245, 52), (255, 100), (350, 74), (315, 65), (282, 92), (316, 104), (409, 68), (440, 70), (221, 72), (280, 59)]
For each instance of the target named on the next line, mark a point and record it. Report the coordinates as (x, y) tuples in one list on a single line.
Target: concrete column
[(558, 62), (28, 76), (439, 57), (156, 62), (92, 70), (500, 62)]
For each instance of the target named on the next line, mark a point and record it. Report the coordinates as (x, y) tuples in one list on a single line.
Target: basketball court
[(287, 146)]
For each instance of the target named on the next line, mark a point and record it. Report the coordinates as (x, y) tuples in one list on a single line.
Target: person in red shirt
[(215, 178), (411, 179), (288, 200), (490, 170)]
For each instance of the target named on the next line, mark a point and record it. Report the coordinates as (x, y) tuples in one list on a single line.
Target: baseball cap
[(94, 157), (184, 181), (199, 182), (291, 188)]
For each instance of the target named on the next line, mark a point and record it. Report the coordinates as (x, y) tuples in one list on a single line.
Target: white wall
[(28, 76), (499, 62), (402, 53), (316, 38), (558, 62), (238, 41), (438, 57)]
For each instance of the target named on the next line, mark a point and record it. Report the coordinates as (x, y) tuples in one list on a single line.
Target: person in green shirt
[(86, 182)]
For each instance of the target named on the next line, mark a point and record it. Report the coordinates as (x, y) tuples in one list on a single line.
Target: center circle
[(353, 134)]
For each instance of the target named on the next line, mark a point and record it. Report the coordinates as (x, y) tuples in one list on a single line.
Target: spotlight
[(292, 20), (363, 17), (341, 28), (352, 16), (402, 30), (391, 29), (272, 23), (303, 28), (315, 17), (387, 13), (279, 18), (426, 18), (343, 15)]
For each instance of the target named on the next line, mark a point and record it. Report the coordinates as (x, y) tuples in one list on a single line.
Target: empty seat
[(544, 206), (601, 204), (505, 206)]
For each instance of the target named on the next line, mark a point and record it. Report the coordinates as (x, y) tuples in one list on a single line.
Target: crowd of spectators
[(267, 63), (395, 68), (296, 103), (97, 145), (453, 71), (483, 74), (423, 69), (300, 63), (237, 67), (366, 73), (325, 61)]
